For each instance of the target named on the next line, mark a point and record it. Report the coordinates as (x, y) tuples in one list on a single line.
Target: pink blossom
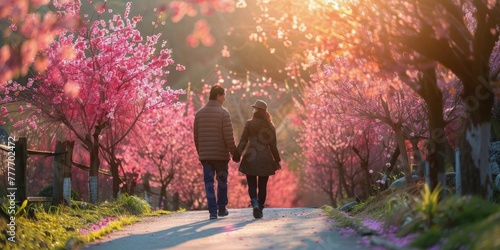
[(180, 67), (225, 52), (137, 19), (4, 111), (33, 124), (100, 8), (13, 27), (17, 124), (57, 100)]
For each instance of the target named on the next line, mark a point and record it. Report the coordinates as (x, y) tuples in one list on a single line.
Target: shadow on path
[(281, 228), (170, 237)]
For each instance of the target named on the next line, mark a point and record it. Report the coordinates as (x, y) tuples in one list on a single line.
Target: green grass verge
[(457, 222), (67, 227), (463, 223), (345, 220)]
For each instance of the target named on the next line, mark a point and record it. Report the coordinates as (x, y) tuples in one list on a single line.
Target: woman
[(261, 158)]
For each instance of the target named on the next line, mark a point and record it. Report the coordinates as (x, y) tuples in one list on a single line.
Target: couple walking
[(214, 140)]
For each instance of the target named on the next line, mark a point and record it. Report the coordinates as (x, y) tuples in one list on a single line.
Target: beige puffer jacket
[(213, 132)]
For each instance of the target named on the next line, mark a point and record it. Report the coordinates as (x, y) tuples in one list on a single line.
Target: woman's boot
[(256, 210), (261, 207)]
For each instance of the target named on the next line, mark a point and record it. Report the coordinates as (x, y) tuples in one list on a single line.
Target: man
[(214, 140)]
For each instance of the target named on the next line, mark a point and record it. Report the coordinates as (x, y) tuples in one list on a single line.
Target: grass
[(39, 226), (415, 218)]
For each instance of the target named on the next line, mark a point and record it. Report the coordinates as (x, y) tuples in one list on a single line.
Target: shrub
[(135, 205)]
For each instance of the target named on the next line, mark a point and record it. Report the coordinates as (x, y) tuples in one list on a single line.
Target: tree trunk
[(329, 189), (474, 159), (419, 169), (176, 202), (392, 162), (367, 180), (436, 148), (94, 166), (368, 183), (162, 199), (343, 180), (93, 171), (404, 153), (340, 192), (114, 164), (333, 201), (436, 145)]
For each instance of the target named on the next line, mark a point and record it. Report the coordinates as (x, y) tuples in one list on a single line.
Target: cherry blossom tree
[(98, 73), (369, 156), (325, 166), (399, 109), (27, 29), (460, 36), (337, 147), (408, 38), (113, 137), (163, 147)]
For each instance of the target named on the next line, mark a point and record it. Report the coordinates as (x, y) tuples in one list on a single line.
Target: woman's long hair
[(264, 115)]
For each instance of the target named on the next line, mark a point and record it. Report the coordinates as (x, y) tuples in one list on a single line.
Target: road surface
[(281, 228)]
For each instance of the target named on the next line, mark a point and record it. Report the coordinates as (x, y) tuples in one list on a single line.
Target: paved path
[(281, 228)]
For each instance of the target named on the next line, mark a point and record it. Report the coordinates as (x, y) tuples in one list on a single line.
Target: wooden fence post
[(57, 186), (68, 162), (21, 152), (62, 172)]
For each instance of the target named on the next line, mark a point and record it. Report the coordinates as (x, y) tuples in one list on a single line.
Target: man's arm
[(227, 129)]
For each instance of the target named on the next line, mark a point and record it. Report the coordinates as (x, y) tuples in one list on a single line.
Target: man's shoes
[(223, 212), (213, 216)]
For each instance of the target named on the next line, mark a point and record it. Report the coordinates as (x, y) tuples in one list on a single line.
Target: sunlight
[(314, 4)]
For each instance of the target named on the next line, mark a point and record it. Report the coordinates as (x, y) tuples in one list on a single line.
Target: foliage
[(458, 222), (160, 148), (99, 80), (341, 218), (134, 205), (459, 217), (63, 227), (346, 221), (26, 30), (414, 213), (359, 206), (428, 204), (409, 40)]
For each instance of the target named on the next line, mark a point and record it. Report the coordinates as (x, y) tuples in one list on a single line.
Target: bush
[(465, 222), (135, 205)]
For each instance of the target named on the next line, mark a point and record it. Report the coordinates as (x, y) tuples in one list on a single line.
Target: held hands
[(236, 157), (278, 166)]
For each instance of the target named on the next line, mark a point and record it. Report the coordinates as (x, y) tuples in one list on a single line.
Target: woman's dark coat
[(261, 156)]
